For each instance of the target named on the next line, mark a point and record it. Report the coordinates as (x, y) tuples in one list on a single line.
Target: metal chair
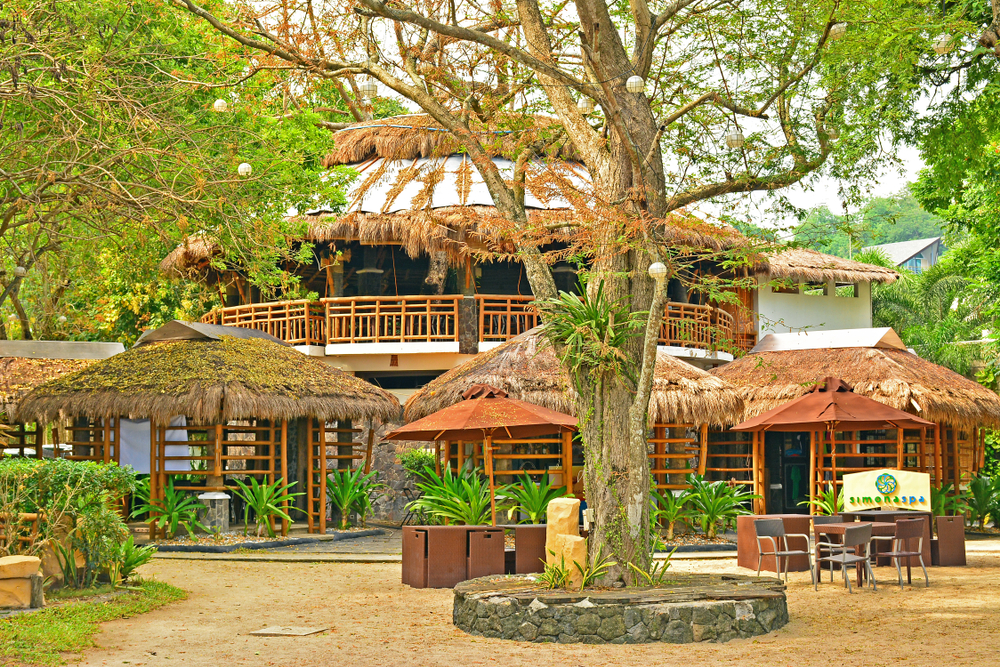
[(854, 537), (412, 515), (774, 530), (907, 530), (819, 520)]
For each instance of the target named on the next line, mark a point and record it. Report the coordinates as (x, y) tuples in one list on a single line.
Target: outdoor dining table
[(879, 529), (896, 515)]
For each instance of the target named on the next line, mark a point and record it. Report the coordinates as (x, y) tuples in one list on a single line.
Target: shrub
[(350, 491), (128, 558), (531, 498), (463, 498), (717, 504), (267, 501), (415, 462), (828, 502), (671, 509), (982, 498), (177, 509), (75, 501)]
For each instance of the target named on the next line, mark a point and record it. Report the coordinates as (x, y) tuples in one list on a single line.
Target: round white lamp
[(635, 84), (585, 105), (220, 106), (837, 31), (244, 169), (658, 271), (62, 319), (20, 271), (735, 139)]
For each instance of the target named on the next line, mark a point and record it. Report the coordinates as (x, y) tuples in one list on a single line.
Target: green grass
[(39, 638)]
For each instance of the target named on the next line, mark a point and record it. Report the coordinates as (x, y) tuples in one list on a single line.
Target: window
[(848, 290), (915, 263), (814, 289), (785, 287)]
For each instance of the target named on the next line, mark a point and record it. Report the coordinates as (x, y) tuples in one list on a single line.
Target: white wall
[(781, 313)]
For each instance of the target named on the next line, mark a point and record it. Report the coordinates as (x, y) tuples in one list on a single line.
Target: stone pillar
[(563, 543), (216, 516)]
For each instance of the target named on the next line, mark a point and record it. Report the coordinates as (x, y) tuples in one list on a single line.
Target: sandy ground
[(375, 620)]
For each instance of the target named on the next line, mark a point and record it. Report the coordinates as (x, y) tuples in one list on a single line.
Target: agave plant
[(827, 502), (268, 501), (177, 509), (350, 491), (462, 498), (671, 509), (982, 499), (717, 504), (531, 498), (127, 558)]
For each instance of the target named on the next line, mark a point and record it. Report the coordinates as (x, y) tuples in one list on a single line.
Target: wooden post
[(106, 435), (489, 472), (322, 476), (833, 465), (938, 463), (371, 445), (899, 448), (284, 471), (460, 454), (152, 475), (922, 449), (956, 458), (812, 471), (437, 457), (756, 470), (760, 472), (703, 453), (567, 453)]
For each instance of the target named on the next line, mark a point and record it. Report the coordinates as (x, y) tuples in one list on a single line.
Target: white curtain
[(133, 448)]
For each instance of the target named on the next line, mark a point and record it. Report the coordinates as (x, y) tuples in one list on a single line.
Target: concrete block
[(563, 517), (15, 593), (19, 567)]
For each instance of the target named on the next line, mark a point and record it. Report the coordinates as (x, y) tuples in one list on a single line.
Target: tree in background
[(728, 98), (109, 145), (879, 220)]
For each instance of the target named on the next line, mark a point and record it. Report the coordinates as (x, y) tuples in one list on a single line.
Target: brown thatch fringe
[(894, 377), (420, 136), (209, 381), (191, 257), (19, 375), (805, 264), (526, 368)]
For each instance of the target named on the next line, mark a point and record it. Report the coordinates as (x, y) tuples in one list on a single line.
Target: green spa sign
[(901, 489)]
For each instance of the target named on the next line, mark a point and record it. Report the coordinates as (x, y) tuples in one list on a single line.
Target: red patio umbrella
[(485, 413), (831, 406)]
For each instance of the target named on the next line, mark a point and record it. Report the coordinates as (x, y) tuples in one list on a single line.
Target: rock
[(19, 567), (537, 605), (611, 628), (588, 624), (15, 593), (528, 631), (568, 549), (563, 517), (585, 603)]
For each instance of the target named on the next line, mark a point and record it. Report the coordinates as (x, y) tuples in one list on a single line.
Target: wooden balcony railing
[(426, 319), (691, 325), (295, 322), (392, 319), (502, 317)]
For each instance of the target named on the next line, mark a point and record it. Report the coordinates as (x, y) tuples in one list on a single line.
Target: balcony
[(373, 325)]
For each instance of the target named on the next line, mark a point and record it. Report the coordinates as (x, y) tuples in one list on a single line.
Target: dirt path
[(376, 621)]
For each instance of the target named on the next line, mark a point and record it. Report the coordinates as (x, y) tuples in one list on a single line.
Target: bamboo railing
[(392, 319)]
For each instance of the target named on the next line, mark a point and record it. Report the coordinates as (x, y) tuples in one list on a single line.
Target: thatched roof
[(813, 266), (19, 375), (209, 381), (420, 136), (896, 378), (527, 369)]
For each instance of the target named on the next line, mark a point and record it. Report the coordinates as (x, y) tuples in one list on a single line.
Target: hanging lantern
[(369, 88), (735, 139), (220, 106), (943, 45), (62, 319), (20, 271), (244, 169), (585, 105), (635, 84), (837, 31)]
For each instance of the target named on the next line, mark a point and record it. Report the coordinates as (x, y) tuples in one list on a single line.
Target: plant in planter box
[(462, 498), (717, 504), (416, 461), (827, 502)]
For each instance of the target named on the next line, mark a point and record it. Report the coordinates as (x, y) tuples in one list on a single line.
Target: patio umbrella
[(484, 413), (832, 405)]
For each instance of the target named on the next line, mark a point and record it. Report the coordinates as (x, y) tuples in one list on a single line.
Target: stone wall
[(389, 505), (632, 618)]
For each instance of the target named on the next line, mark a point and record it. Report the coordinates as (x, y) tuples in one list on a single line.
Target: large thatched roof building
[(209, 374), (527, 369)]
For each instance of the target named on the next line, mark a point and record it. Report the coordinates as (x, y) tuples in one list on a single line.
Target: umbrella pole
[(812, 471), (489, 473)]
